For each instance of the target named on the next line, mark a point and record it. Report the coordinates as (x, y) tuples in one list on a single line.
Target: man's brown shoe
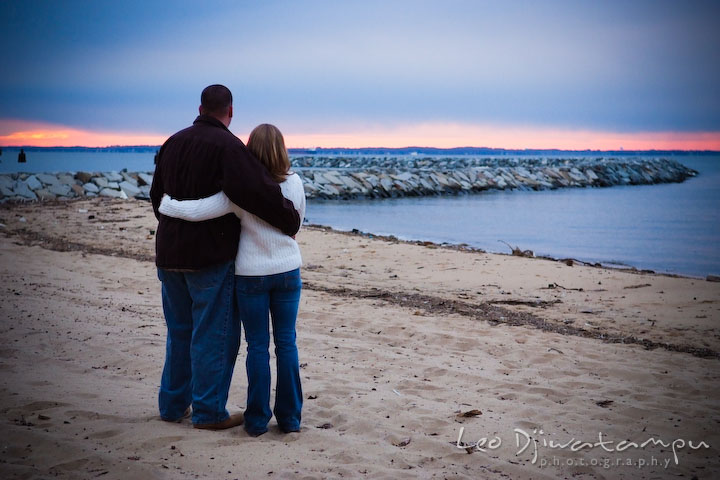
[(231, 421)]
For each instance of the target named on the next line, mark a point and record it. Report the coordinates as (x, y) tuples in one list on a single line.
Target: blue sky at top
[(317, 66)]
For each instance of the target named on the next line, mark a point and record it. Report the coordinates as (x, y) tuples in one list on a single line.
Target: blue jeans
[(279, 295), (203, 337)]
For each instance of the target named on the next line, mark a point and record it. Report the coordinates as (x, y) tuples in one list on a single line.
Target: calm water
[(667, 228), (87, 161)]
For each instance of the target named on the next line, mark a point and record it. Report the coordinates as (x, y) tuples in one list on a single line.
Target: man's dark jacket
[(199, 161)]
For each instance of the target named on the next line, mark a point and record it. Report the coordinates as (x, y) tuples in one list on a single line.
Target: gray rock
[(21, 189), (386, 184), (129, 189), (129, 178), (45, 194), (320, 179), (113, 185), (440, 179), (109, 192), (100, 182), (6, 191), (403, 177), (33, 183), (47, 179), (591, 175), (91, 188), (66, 179), (330, 190), (351, 184), (427, 185), (113, 176), (144, 179), (60, 190), (462, 177), (6, 181), (373, 180), (334, 178)]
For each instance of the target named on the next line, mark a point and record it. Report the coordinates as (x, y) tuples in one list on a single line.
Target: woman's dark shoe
[(187, 414), (232, 421), (255, 434), (290, 429)]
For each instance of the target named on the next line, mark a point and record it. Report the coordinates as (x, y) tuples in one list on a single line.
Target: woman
[(267, 279)]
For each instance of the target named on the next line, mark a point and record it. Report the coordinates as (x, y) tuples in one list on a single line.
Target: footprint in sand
[(105, 434)]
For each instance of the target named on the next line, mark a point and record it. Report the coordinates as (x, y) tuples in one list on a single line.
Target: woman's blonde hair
[(267, 144)]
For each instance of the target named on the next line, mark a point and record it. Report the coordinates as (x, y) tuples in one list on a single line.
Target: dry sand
[(396, 341)]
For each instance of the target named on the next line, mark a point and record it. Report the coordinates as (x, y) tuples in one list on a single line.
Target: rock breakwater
[(376, 177), (381, 178)]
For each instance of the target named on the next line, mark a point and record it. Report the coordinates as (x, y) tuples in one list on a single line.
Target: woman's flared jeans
[(279, 296)]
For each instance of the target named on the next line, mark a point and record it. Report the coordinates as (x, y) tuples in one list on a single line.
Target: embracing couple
[(226, 255)]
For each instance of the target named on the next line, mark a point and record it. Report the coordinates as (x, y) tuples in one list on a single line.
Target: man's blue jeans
[(202, 342), (280, 296)]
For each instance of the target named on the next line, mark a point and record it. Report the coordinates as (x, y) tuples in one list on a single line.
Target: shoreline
[(517, 252), (461, 247)]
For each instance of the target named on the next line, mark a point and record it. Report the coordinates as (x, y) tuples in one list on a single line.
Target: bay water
[(669, 228)]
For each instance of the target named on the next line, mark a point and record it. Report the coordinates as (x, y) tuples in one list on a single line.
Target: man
[(195, 260)]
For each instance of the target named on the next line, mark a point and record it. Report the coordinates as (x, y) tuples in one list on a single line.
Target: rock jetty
[(381, 177), (333, 178)]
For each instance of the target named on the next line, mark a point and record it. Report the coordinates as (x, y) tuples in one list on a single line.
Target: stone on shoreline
[(60, 190), (113, 176), (44, 194), (33, 183), (21, 189), (129, 189), (91, 187), (144, 179), (83, 177), (48, 179), (112, 193)]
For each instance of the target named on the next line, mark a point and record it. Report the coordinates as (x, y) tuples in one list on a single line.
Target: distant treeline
[(487, 151), (395, 151)]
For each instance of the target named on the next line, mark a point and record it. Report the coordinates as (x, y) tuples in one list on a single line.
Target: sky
[(570, 74)]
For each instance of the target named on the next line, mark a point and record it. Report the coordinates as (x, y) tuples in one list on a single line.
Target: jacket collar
[(210, 120)]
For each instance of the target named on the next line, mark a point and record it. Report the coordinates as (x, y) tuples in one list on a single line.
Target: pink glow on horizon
[(458, 135), (23, 133), (36, 134)]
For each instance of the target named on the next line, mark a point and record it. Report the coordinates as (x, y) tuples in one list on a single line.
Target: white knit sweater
[(263, 249)]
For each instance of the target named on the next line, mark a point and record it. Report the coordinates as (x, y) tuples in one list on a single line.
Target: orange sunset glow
[(26, 134), (421, 135)]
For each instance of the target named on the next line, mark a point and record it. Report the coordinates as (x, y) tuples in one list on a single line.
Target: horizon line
[(409, 147)]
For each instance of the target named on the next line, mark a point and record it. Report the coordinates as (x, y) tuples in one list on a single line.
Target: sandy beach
[(418, 361)]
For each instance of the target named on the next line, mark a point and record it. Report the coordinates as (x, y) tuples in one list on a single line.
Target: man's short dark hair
[(215, 100)]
